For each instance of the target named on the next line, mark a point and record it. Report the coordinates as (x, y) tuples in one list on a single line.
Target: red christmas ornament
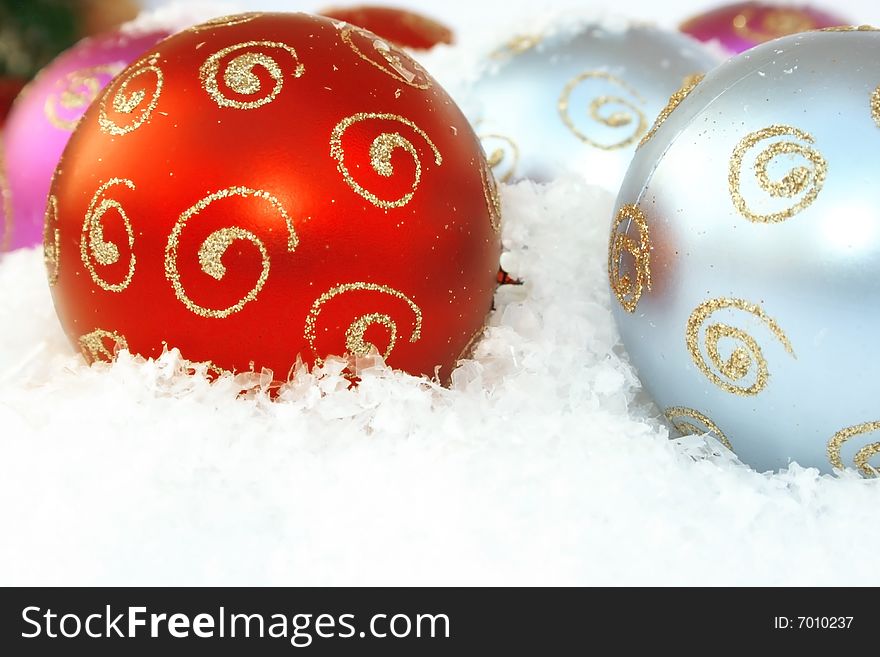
[(401, 27), (265, 186)]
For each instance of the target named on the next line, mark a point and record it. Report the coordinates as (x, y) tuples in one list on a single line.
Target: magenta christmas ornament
[(44, 116), (743, 25)]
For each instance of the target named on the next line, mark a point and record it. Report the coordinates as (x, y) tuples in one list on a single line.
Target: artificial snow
[(542, 464)]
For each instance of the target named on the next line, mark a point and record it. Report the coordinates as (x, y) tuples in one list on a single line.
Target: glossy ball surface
[(743, 25), (265, 187), (44, 116), (401, 27), (579, 98), (745, 254)]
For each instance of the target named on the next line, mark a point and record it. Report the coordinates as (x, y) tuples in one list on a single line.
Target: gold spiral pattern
[(75, 92), (391, 61), (133, 106), (355, 342), (630, 117), (381, 150), (800, 181), (628, 287), (5, 205), (502, 154), (470, 347), (225, 21), (688, 85), (875, 106), (492, 196), (101, 345), (850, 28), (51, 240), (93, 246), (690, 422), (862, 457), (743, 359), (239, 73), (354, 335), (214, 247), (516, 46)]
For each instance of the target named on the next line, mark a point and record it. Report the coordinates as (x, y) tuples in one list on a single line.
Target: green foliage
[(32, 32)]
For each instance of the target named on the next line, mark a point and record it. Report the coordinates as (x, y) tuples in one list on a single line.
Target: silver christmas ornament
[(745, 254), (579, 98)]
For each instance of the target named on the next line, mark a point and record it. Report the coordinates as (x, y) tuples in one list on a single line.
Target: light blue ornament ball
[(578, 97), (744, 257)]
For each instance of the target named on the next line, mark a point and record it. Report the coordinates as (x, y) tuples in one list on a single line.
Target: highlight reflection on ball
[(745, 252)]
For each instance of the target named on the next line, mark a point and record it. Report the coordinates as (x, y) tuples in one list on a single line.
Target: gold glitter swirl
[(6, 210), (772, 24), (630, 117), (689, 84), (101, 345), (214, 247), (503, 155), (92, 244), (875, 106), (863, 456), (355, 342), (51, 240), (490, 193), (225, 21), (354, 335), (131, 109), (516, 46), (698, 425), (393, 62), (744, 358), (239, 74), (381, 150), (799, 181), (850, 28), (467, 352), (75, 92), (628, 287)]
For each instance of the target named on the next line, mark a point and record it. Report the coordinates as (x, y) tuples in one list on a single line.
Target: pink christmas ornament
[(42, 119), (743, 25)]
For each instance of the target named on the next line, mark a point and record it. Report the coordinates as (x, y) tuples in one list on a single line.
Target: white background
[(542, 464), (464, 15)]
